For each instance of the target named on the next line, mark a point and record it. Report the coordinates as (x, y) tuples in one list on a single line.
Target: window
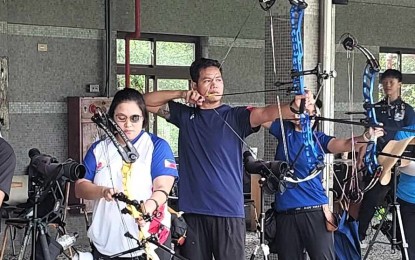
[(158, 62), (404, 61)]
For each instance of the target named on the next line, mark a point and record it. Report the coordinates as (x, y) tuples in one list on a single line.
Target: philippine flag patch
[(100, 165), (170, 164)]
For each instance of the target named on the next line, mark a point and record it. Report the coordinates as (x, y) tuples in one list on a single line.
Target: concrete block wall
[(39, 82), (375, 24), (283, 57), (74, 32)]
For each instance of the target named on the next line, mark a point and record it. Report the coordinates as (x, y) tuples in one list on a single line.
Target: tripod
[(260, 226), (35, 227), (396, 216)]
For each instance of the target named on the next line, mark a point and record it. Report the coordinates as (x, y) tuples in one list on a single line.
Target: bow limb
[(265, 5), (237, 35), (296, 18), (369, 76), (370, 73), (296, 21), (297, 75)]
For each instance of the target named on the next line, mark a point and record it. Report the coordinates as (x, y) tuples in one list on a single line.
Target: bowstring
[(354, 172), (289, 179), (350, 72), (284, 140), (236, 36), (107, 160), (275, 75), (343, 192), (274, 64), (274, 61), (233, 131), (220, 67)]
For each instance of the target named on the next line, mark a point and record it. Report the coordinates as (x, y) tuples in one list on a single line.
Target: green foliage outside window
[(142, 53), (392, 61), (136, 82), (175, 53), (164, 129), (408, 94), (408, 63)]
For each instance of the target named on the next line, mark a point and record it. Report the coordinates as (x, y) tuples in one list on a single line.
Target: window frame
[(407, 78), (154, 72), (161, 71)]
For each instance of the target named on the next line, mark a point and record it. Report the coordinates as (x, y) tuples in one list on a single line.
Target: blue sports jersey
[(210, 154), (400, 135), (396, 114), (406, 188), (309, 193)]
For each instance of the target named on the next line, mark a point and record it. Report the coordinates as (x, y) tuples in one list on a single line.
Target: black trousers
[(305, 230), (210, 236), (408, 220), (371, 199)]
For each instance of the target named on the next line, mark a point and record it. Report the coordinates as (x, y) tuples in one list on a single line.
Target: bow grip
[(302, 106)]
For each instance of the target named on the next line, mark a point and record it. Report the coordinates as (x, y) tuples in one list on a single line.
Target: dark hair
[(391, 73), (200, 64), (129, 94)]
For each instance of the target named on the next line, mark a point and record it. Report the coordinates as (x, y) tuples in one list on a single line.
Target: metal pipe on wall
[(108, 59), (326, 56), (130, 36)]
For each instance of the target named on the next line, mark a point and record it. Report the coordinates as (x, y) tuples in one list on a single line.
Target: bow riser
[(309, 147), (296, 20), (370, 73), (369, 77)]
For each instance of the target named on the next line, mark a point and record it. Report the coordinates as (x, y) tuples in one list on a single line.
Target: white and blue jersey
[(304, 194), (103, 166), (210, 158)]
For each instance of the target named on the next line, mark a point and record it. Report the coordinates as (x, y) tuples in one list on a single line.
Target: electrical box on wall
[(82, 132), (93, 88)]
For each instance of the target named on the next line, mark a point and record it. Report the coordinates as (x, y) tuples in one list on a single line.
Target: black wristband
[(164, 192), (293, 109), (155, 201)]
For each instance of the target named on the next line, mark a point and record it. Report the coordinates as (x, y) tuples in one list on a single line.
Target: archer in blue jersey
[(302, 209), (211, 139)]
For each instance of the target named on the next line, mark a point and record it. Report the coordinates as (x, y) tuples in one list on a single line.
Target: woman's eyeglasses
[(123, 118)]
